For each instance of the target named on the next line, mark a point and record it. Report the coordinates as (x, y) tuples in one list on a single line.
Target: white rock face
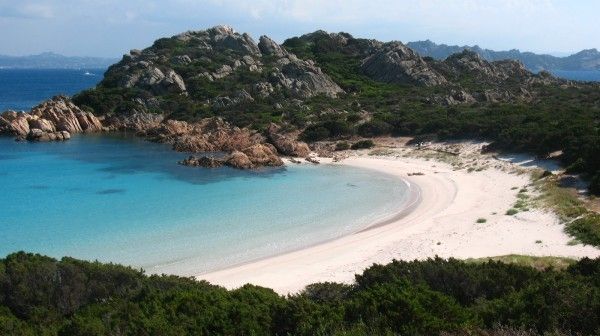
[(270, 47), (396, 63), (218, 53)]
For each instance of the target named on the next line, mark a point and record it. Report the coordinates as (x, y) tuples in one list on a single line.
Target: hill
[(585, 60), (220, 72), (217, 89)]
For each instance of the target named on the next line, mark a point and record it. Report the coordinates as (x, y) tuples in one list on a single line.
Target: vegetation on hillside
[(43, 296), (559, 118)]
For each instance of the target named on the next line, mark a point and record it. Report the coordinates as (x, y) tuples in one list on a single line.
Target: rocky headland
[(58, 118), (54, 119), (217, 90)]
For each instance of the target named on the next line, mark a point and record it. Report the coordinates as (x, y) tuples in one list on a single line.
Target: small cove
[(117, 198)]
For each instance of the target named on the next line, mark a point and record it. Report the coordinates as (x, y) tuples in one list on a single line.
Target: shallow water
[(125, 200)]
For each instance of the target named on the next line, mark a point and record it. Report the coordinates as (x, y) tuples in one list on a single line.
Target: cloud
[(26, 10), (114, 26), (372, 10), (38, 11)]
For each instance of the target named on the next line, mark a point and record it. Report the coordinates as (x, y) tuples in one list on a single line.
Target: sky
[(110, 28)]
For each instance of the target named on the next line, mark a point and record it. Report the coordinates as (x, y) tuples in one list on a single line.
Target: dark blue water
[(587, 76), (21, 89)]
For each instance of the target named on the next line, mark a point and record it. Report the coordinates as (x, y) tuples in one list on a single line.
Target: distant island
[(50, 60), (585, 60)]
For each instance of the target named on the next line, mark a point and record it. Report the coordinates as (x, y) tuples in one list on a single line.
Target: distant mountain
[(49, 60), (584, 60)]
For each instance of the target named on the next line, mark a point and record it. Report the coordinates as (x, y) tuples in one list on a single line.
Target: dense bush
[(363, 144), (586, 229), (374, 128), (342, 145), (595, 184), (327, 130), (43, 296)]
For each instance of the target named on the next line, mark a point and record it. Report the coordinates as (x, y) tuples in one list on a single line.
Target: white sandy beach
[(444, 223)]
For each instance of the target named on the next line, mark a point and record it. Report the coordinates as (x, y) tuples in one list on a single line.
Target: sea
[(22, 89), (118, 198)]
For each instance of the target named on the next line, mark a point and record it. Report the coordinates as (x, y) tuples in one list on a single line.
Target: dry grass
[(539, 263)]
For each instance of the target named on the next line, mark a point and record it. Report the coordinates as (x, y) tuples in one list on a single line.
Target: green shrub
[(315, 133), (363, 144), (576, 167), (595, 184), (374, 128), (353, 118), (326, 130), (43, 296), (586, 229), (343, 145), (337, 128), (511, 212)]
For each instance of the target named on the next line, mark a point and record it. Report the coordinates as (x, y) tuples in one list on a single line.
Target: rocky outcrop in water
[(246, 148), (66, 116), (15, 123), (240, 160), (36, 134), (262, 155), (203, 161), (286, 145), (257, 155), (206, 135), (54, 119)]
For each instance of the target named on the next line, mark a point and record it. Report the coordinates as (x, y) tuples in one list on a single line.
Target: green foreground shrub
[(342, 146), (586, 229), (43, 296), (363, 144)]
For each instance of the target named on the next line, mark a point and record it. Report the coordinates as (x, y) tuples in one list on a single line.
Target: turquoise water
[(125, 200)]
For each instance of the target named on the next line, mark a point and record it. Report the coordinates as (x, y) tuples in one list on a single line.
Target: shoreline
[(414, 200), (443, 223)]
